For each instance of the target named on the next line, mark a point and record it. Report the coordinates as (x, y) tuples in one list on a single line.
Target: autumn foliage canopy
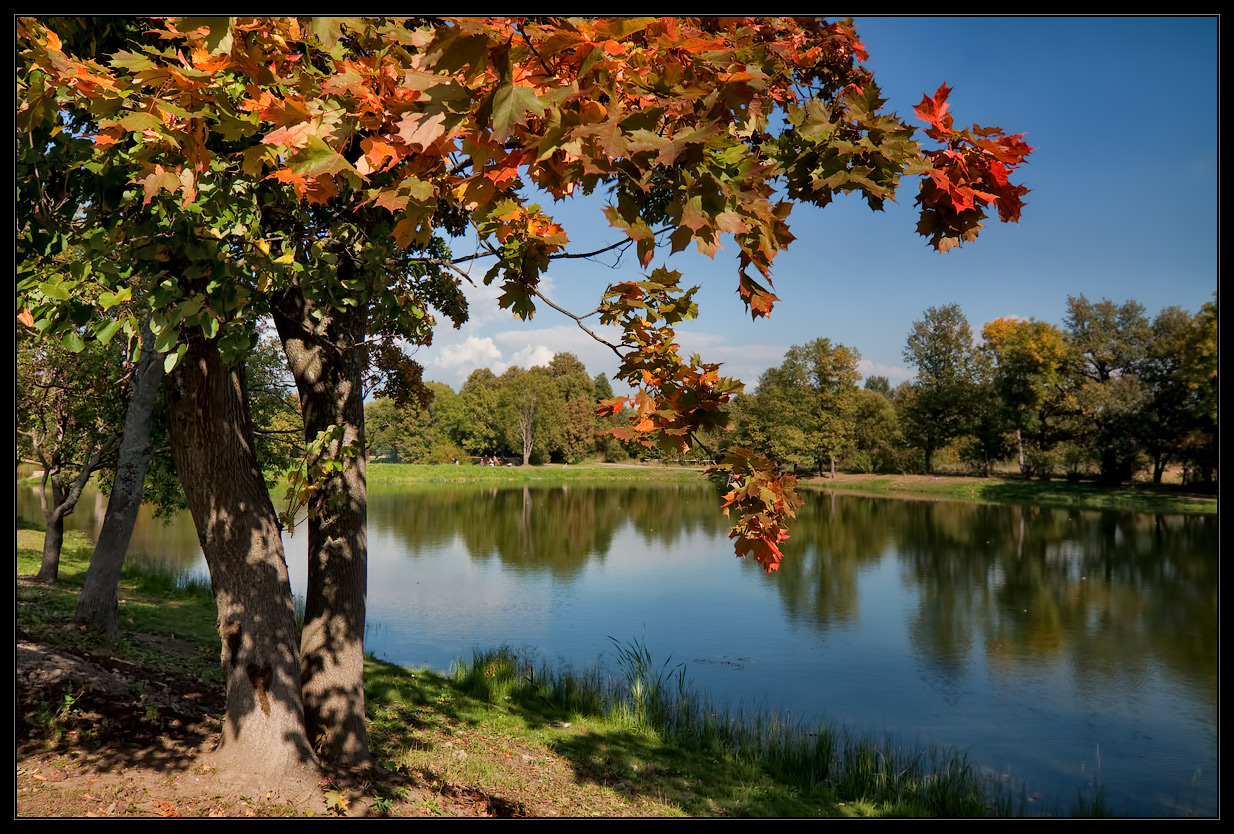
[(695, 127)]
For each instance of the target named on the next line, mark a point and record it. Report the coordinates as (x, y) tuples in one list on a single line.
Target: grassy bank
[(997, 489), (531, 739), (383, 475), (1136, 497)]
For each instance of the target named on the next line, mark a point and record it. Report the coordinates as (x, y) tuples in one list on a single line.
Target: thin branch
[(579, 321)]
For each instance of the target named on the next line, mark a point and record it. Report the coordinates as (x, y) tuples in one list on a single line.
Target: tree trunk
[(328, 359), (1019, 445), (57, 508), (212, 445), (53, 540), (96, 607)]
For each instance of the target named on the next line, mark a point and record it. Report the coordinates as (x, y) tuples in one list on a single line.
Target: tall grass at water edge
[(659, 700)]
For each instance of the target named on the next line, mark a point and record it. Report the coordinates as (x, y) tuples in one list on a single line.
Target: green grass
[(1139, 497), (382, 475)]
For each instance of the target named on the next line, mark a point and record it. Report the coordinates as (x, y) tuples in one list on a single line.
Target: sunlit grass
[(1139, 497)]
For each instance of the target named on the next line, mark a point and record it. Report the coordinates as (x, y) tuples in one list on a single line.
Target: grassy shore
[(1008, 489), (394, 475), (996, 489), (633, 741)]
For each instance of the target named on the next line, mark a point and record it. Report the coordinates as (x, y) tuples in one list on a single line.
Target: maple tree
[(304, 167)]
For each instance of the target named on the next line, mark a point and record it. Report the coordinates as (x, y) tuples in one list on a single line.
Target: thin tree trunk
[(212, 445), (96, 607), (55, 510), (1019, 445), (328, 359)]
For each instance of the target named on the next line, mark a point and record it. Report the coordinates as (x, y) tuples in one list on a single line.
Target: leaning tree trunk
[(328, 359), (96, 607), (212, 446), (57, 508)]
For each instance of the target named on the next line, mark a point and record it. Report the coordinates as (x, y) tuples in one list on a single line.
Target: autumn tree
[(1029, 362), (303, 167)]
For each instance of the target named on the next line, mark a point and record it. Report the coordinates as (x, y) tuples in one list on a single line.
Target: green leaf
[(511, 104), (54, 291), (72, 342), (172, 358), (111, 299), (141, 121), (108, 330)]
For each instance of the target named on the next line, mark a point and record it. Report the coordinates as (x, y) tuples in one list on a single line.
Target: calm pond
[(1060, 650)]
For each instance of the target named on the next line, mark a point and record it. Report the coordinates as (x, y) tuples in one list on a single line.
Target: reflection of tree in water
[(1111, 592), (557, 529), (833, 536)]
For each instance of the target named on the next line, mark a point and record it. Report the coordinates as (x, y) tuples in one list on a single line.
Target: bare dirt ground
[(129, 742)]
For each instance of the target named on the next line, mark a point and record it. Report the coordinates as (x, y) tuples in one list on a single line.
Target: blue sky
[(1123, 113)]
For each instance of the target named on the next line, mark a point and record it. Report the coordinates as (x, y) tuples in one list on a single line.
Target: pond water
[(1061, 650)]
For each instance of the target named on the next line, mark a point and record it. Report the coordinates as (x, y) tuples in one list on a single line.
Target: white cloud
[(533, 355), (468, 355)]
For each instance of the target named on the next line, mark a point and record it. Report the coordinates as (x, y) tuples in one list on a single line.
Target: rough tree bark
[(96, 607), (328, 359), (212, 445)]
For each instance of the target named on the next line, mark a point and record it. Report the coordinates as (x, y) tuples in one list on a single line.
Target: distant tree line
[(527, 415), (1111, 393)]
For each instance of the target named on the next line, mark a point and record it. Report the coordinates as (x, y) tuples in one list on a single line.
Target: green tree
[(1200, 368), (576, 438), (69, 421), (479, 426), (803, 411), (940, 347), (879, 384), (1109, 343), (531, 411), (1169, 414), (875, 431)]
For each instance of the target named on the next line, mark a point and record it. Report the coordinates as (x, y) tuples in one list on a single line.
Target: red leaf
[(934, 110)]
